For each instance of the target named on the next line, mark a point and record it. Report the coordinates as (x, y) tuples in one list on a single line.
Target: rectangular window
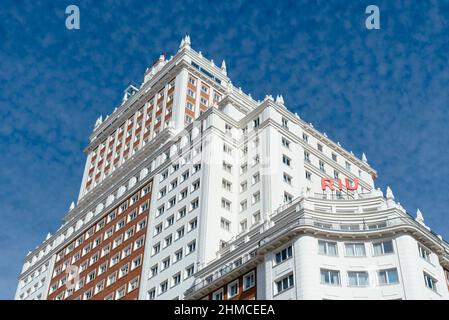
[(430, 282), (283, 255), (225, 224), (287, 178), (286, 160), (331, 277), (424, 253), (218, 295), (249, 280), (388, 276), (226, 204), (355, 249), (384, 247), (233, 289), (286, 143), (358, 279), (327, 248), (284, 283)]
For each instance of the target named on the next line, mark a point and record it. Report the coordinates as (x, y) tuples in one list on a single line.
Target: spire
[(419, 216), (223, 67), (280, 100), (72, 206), (364, 159), (390, 194), (48, 236), (185, 43)]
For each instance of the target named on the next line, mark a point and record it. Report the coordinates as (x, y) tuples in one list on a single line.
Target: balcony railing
[(350, 228), (238, 263)]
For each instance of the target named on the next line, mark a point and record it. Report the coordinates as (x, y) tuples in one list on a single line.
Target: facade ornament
[(390, 194), (364, 159), (223, 67)]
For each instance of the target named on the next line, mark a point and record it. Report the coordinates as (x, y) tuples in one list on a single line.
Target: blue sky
[(382, 92)]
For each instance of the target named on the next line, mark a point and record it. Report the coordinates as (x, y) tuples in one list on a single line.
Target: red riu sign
[(329, 182)]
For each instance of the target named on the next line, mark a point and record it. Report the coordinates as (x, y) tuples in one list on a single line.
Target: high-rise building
[(194, 190)]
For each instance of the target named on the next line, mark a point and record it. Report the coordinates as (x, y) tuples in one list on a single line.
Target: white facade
[(243, 181)]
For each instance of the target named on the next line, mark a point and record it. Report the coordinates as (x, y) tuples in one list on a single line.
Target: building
[(194, 190)]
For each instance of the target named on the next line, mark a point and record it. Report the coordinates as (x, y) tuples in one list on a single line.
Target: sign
[(329, 182)]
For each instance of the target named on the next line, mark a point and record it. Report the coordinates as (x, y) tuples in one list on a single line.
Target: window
[(183, 194), (204, 101), (139, 243), (256, 178), (226, 185), (156, 248), (381, 248), (322, 166), (286, 160), (308, 175), (133, 284), (243, 186), (355, 249), (424, 253), (190, 271), (331, 277), (233, 289), (170, 221), (178, 255), (180, 233), (90, 276), (227, 149), (177, 279), (336, 174), (160, 210), (256, 217), (192, 81), (430, 282), (171, 202), (285, 123), (358, 278), (182, 213), (227, 167), (249, 281), (194, 204), (256, 122), (185, 175), (158, 229), (165, 263), (243, 168), (284, 283), (152, 294), (243, 225), (163, 287), (193, 224), (327, 248), (196, 185), (123, 271), (190, 93), (388, 276), (225, 224), (287, 178), (189, 105), (348, 165), (256, 197), (173, 184), (305, 137), (218, 295), (288, 197), (153, 270), (226, 204), (285, 143), (168, 240), (204, 88), (243, 205), (191, 247), (283, 255), (319, 147)]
